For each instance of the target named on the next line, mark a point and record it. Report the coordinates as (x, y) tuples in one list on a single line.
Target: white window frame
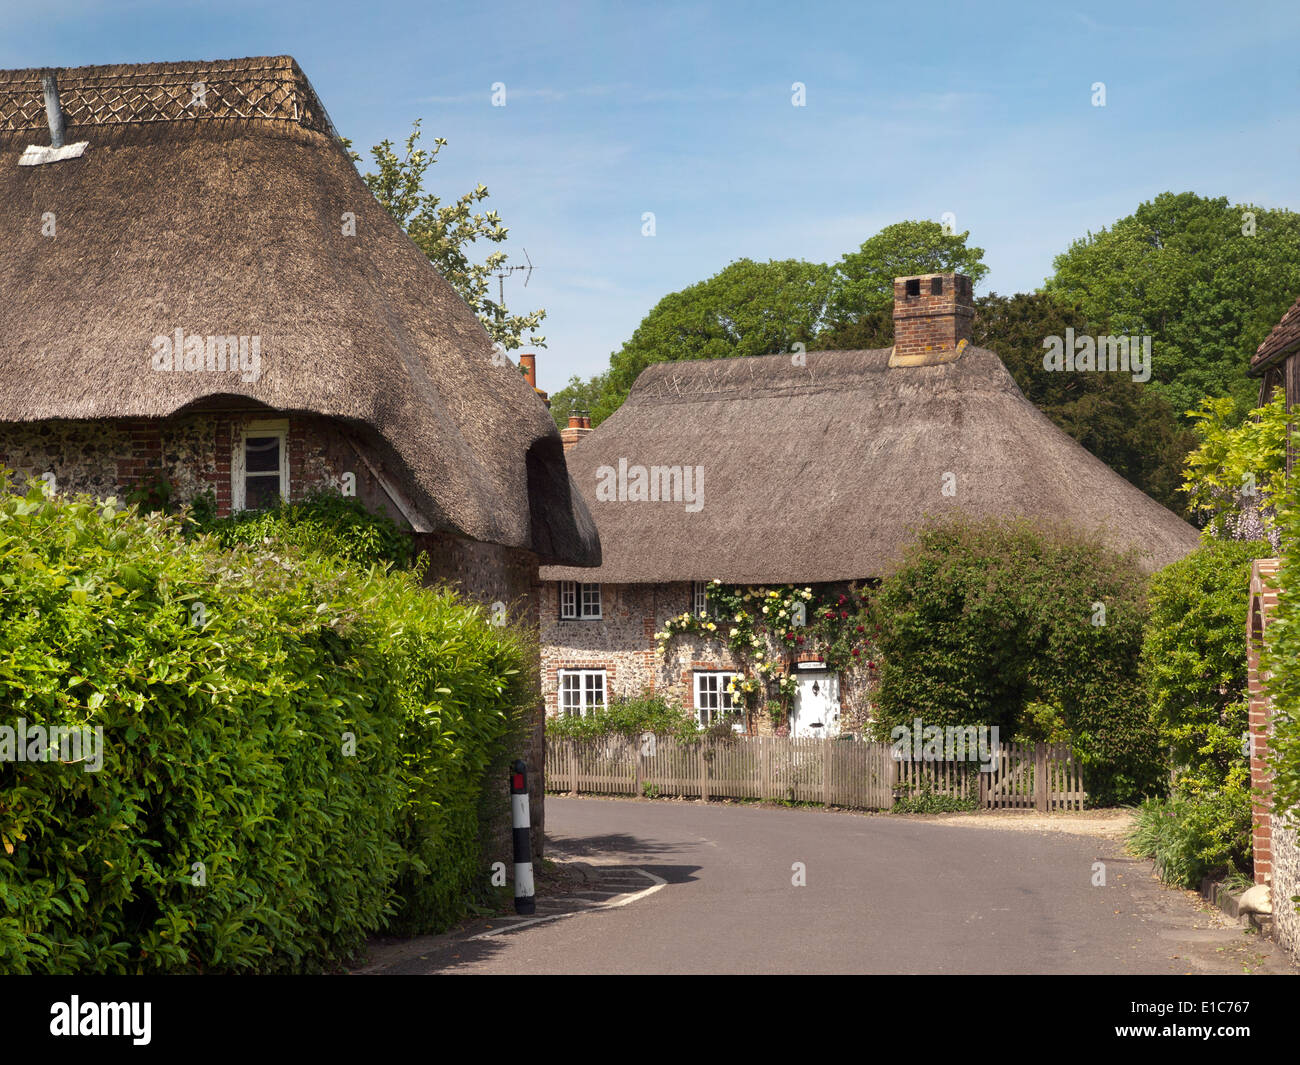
[(578, 696), (278, 427), (710, 686), (699, 597), (580, 601)]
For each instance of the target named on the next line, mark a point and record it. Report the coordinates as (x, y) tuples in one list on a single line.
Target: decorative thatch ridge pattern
[(272, 89), (822, 472), (260, 226)]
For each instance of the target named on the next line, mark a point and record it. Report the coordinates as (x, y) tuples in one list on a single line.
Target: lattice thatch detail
[(271, 90)]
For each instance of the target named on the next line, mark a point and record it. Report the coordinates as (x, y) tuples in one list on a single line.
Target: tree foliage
[(747, 308), (984, 622), (1194, 663), (752, 308), (864, 279), (1125, 423), (1181, 270), (1237, 467), (446, 233)]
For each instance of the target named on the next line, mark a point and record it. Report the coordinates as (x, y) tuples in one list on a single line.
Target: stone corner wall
[(1286, 884)]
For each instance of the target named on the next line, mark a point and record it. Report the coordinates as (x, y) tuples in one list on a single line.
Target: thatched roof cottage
[(808, 468), (201, 294)]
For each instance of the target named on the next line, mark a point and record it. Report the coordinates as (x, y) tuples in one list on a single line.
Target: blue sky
[(913, 110)]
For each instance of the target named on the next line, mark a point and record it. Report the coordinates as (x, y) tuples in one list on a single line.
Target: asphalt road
[(880, 895)]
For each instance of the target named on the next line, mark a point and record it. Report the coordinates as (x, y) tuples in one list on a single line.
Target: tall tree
[(446, 232), (1125, 423), (1206, 280), (747, 308), (864, 279)]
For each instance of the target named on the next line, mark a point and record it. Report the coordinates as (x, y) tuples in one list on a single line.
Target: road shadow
[(626, 848)]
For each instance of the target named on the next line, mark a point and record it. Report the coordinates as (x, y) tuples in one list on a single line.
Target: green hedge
[(324, 523), (991, 622), (1281, 658), (227, 684), (626, 716), (1194, 662)]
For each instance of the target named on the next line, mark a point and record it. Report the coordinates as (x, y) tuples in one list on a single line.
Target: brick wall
[(1275, 842)]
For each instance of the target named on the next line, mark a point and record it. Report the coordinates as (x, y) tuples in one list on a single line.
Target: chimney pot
[(529, 363)]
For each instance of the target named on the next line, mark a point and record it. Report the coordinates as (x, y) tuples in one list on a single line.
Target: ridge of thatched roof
[(230, 217), (823, 471)]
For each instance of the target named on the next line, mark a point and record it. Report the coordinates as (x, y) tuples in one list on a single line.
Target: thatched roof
[(822, 472), (1282, 340), (223, 214)]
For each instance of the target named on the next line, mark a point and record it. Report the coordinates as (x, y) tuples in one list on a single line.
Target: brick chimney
[(932, 318), (528, 363), (578, 427)]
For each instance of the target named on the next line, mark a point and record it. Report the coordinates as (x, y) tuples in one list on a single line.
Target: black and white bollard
[(524, 900)]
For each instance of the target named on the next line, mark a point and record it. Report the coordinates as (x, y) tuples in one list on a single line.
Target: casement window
[(699, 597), (579, 601), (259, 468), (582, 691), (713, 699)]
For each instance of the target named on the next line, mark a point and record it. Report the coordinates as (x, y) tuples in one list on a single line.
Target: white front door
[(816, 705)]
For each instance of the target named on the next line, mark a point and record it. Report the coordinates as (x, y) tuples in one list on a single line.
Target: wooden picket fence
[(842, 771)]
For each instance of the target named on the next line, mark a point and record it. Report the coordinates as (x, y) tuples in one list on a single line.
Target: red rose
[(856, 652), (844, 613), (861, 629)]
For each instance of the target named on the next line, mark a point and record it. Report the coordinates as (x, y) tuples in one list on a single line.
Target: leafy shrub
[(629, 716), (984, 618), (231, 828), (927, 801), (1281, 659), (1194, 663), (325, 522), (1237, 467), (1193, 837)]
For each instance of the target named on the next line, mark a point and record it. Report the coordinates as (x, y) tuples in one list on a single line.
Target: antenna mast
[(506, 271)]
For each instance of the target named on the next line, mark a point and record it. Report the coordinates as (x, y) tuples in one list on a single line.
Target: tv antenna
[(506, 271)]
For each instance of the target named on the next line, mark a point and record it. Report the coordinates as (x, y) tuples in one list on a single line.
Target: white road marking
[(657, 883)]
